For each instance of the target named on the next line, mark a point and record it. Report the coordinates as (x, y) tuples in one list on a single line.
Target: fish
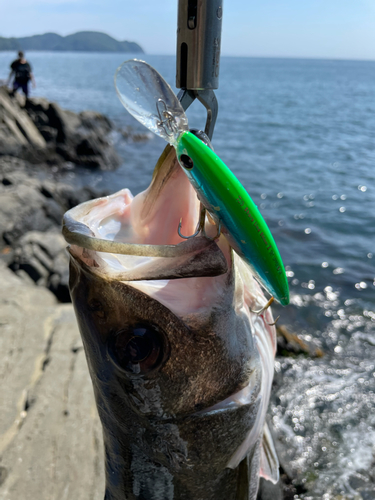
[(180, 361)]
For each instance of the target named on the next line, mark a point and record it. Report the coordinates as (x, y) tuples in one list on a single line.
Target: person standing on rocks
[(22, 72)]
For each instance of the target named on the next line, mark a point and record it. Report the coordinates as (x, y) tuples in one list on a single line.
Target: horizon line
[(312, 58)]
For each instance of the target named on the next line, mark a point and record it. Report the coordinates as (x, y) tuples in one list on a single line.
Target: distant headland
[(83, 41)]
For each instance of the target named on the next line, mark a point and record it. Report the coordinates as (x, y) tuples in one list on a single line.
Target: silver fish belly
[(181, 366)]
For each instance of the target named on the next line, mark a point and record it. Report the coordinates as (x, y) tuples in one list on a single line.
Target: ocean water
[(300, 135)]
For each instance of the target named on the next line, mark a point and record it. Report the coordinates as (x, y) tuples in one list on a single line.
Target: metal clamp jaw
[(198, 55)]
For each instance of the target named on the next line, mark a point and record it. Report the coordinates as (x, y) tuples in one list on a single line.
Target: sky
[(333, 29)]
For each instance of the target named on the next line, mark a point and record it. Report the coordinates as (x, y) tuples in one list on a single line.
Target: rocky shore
[(31, 211), (36, 138), (50, 436)]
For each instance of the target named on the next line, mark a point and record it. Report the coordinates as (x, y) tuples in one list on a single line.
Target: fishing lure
[(149, 98)]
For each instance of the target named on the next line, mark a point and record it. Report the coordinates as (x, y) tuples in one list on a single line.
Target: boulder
[(31, 212), (22, 208), (43, 257), (40, 131), (17, 116)]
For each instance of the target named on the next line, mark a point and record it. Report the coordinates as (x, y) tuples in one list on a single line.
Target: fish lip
[(176, 419), (233, 402), (253, 390), (253, 387)]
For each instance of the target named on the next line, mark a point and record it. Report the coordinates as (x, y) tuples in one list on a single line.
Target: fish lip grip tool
[(199, 25)]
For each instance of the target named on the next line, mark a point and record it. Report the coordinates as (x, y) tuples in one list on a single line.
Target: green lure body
[(229, 204)]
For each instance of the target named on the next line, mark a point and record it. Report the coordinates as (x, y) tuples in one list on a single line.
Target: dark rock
[(56, 121), (40, 118), (87, 147), (49, 133), (69, 197), (46, 139), (22, 209), (58, 285), (41, 131), (31, 212), (27, 203), (53, 211), (43, 256), (96, 122)]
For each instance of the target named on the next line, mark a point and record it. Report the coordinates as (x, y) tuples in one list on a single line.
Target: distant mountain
[(84, 41)]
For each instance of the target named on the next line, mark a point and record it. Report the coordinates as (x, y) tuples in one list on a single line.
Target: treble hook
[(264, 308), (200, 226), (274, 323), (218, 232)]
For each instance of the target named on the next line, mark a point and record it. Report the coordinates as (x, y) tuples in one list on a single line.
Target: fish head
[(181, 366)]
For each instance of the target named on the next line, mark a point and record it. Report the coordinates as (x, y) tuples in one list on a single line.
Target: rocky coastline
[(50, 437), (38, 138)]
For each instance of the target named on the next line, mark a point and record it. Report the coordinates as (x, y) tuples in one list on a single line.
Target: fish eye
[(137, 350), (186, 162)]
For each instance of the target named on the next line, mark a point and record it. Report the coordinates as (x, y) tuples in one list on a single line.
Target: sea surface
[(300, 135)]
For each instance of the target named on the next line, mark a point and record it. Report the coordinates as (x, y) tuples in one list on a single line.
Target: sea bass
[(180, 363)]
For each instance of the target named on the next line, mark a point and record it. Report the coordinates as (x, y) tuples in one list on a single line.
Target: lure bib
[(228, 202)]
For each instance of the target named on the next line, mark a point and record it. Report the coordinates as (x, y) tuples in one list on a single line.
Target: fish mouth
[(135, 238)]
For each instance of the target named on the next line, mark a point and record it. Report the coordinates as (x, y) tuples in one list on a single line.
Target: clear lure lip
[(150, 100)]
